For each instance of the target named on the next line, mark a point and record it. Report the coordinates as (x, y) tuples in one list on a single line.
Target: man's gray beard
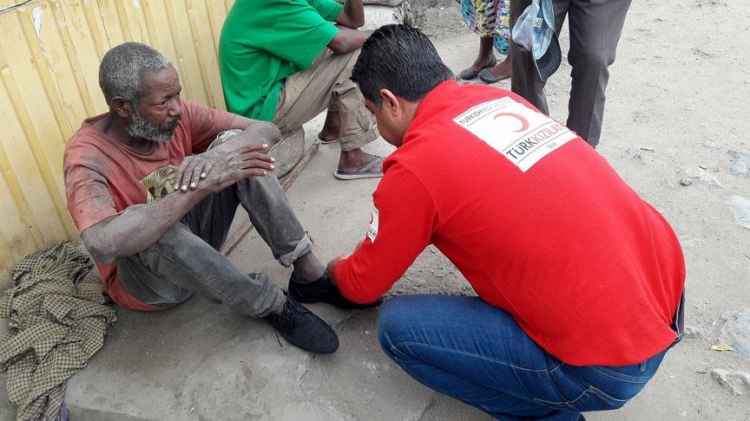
[(142, 129)]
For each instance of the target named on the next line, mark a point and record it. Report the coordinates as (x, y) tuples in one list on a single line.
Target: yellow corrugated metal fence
[(49, 57)]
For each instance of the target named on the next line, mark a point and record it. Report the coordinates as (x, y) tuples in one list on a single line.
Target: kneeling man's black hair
[(401, 59)]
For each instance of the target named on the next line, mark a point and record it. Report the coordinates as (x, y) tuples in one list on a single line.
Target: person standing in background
[(489, 19), (595, 27)]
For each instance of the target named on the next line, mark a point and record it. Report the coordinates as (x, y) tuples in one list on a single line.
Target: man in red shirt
[(153, 186), (579, 280)]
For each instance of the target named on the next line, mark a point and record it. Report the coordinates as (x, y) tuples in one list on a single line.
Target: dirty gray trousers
[(595, 27), (186, 259)]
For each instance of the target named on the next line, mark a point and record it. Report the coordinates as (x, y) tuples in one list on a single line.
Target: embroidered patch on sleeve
[(372, 230), (522, 135)]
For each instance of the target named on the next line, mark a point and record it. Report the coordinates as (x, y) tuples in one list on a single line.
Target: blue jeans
[(477, 353)]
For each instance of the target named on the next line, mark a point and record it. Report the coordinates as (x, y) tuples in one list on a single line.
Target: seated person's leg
[(181, 263), (357, 128), (270, 212), (307, 93), (187, 259), (332, 125), (272, 216)]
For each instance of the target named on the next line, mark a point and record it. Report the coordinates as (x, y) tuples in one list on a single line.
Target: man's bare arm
[(353, 14), (139, 227), (136, 228), (348, 40)]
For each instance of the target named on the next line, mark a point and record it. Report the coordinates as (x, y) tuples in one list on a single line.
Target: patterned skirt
[(489, 18)]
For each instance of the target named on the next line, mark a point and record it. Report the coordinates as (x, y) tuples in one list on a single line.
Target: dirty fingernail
[(193, 184), (184, 188), (203, 175)]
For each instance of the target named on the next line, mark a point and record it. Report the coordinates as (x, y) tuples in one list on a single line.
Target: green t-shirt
[(263, 42)]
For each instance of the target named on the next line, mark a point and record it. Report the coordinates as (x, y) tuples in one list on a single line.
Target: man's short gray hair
[(122, 67)]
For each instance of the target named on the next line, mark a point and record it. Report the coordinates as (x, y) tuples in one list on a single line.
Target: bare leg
[(307, 268), (355, 159), (348, 160), (485, 59), (485, 55), (331, 126), (502, 70)]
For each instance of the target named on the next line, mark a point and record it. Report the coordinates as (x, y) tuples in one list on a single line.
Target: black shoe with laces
[(324, 290), (303, 329)]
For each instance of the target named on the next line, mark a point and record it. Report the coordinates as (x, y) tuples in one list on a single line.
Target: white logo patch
[(520, 134), (372, 230)]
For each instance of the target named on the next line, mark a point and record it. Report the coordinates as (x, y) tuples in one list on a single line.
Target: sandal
[(365, 171)]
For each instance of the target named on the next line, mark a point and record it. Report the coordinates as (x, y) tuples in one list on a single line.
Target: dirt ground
[(675, 128)]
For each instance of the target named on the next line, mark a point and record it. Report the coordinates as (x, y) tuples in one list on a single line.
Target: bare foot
[(353, 160), (485, 59), (356, 165), (502, 70), (481, 62)]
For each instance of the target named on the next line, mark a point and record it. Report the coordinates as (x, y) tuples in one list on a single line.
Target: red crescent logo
[(521, 119)]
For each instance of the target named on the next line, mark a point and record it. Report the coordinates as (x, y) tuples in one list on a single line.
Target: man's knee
[(178, 242), (394, 317), (590, 58)]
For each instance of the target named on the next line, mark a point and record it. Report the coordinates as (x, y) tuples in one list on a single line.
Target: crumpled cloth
[(57, 321)]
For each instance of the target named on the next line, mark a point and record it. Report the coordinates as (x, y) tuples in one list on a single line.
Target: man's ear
[(391, 102), (122, 107)]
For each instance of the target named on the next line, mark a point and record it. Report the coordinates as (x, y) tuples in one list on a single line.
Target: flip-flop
[(361, 172), (487, 77), (325, 141), (468, 74)]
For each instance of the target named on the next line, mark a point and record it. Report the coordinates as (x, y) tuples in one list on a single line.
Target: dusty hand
[(193, 169), (218, 169)]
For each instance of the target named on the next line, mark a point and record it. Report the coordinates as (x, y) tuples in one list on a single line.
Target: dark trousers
[(595, 28), (186, 259)]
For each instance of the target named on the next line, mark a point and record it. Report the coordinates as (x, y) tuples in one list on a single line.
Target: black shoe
[(303, 329), (324, 290)]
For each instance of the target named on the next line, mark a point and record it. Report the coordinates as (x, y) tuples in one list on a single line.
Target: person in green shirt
[(286, 62)]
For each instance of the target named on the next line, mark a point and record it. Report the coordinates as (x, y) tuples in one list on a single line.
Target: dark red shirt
[(103, 177)]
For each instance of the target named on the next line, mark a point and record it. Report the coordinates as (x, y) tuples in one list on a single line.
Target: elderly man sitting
[(153, 186)]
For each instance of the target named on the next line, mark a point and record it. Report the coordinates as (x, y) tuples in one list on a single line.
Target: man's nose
[(175, 107)]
